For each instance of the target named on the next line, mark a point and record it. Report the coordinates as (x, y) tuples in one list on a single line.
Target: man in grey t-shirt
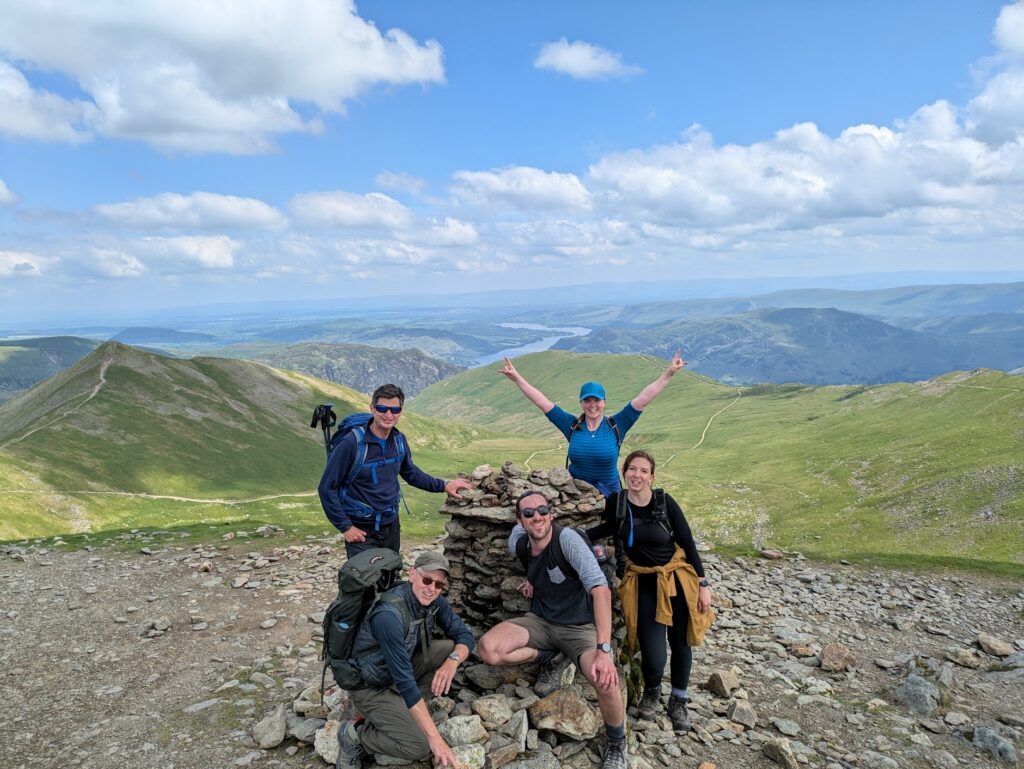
[(570, 614)]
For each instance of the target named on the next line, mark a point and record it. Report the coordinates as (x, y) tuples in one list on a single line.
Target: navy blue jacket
[(380, 495)]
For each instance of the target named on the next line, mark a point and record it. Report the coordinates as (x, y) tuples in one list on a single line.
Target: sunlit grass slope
[(126, 422), (931, 470)]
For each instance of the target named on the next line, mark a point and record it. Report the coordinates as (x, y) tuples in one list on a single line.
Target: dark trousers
[(390, 729), (389, 536), (651, 636)]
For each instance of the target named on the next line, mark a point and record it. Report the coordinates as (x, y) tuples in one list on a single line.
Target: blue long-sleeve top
[(387, 630), (382, 495)]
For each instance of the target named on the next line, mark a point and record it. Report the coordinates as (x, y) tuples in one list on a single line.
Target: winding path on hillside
[(144, 495), (104, 365)]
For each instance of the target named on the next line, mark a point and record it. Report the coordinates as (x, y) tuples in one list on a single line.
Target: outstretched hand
[(509, 370), (454, 486), (676, 365)]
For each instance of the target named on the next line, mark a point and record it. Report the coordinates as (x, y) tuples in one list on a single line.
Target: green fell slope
[(78, 451), (931, 471)]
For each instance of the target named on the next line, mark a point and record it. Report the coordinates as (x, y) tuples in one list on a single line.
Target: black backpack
[(523, 551), (659, 513), (362, 580)]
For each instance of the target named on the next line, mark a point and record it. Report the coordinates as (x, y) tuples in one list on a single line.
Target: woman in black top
[(649, 530)]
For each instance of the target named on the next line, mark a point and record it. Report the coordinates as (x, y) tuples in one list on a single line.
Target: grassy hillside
[(124, 422), (929, 471), (812, 346), (24, 362)]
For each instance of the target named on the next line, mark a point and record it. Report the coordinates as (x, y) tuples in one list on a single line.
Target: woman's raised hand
[(509, 370), (675, 366)]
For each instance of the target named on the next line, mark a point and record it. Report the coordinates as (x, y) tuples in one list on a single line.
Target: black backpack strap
[(660, 512), (615, 430), (522, 552), (560, 560)]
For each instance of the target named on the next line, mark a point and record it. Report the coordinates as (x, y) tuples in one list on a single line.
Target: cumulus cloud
[(583, 61), (183, 253), (400, 182), (197, 76), (348, 209), (451, 232), (1009, 29), (23, 264), (523, 187), (202, 210), (114, 263), (801, 177), (27, 113), (6, 196)]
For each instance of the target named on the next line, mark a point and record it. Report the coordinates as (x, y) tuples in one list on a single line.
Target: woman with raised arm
[(663, 588), (594, 439)]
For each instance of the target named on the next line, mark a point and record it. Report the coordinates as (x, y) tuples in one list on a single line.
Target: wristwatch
[(455, 656), (605, 647), (704, 582)]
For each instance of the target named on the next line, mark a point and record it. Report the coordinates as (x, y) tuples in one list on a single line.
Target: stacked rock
[(484, 574)]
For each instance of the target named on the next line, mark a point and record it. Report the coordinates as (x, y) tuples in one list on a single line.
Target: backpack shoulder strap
[(360, 458), (559, 554), (660, 511), (615, 431), (521, 549)]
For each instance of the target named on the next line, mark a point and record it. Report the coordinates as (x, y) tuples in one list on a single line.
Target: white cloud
[(583, 61), (199, 210), (802, 178), (207, 252), (1009, 29), (996, 115), (114, 263), (6, 196), (26, 113), (400, 182), (524, 187), (23, 264), (197, 76), (451, 232), (348, 209)]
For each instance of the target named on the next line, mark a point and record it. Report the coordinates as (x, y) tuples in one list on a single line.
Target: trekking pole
[(324, 416)]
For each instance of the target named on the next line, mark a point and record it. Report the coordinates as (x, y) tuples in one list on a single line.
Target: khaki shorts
[(571, 640)]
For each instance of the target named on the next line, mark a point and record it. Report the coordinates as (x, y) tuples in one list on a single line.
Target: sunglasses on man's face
[(382, 409), (529, 512), (428, 581)]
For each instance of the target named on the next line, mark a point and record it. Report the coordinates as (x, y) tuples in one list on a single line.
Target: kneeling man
[(403, 666), (570, 613)]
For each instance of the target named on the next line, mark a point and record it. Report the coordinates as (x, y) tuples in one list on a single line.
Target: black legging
[(651, 636)]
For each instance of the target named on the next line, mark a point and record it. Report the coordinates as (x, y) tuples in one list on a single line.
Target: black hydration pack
[(362, 580)]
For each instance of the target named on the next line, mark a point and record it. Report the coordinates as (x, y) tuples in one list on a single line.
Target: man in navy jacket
[(366, 510)]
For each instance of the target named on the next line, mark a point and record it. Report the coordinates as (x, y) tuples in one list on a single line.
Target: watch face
[(605, 647)]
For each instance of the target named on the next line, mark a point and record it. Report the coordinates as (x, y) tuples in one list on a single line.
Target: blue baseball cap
[(592, 390)]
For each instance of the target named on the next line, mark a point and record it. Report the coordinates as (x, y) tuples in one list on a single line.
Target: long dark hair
[(641, 454)]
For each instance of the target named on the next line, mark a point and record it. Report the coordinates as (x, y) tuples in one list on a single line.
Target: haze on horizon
[(167, 154)]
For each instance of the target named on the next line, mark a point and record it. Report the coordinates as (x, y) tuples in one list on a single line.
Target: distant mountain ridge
[(358, 366), (806, 345), (151, 335), (25, 362)]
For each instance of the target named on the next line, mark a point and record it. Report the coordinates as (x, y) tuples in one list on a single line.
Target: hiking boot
[(648, 705), (350, 747), (615, 755), (550, 676), (678, 714)]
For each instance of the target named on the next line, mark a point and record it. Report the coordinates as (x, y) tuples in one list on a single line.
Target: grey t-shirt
[(559, 597)]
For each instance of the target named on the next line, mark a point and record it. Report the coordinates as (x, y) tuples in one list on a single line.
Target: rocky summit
[(159, 651)]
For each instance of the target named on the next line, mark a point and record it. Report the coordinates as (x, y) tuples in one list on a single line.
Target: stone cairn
[(484, 574)]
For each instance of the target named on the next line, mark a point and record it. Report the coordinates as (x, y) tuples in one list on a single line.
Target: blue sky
[(173, 153)]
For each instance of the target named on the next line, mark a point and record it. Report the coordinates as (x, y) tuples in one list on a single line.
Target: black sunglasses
[(529, 512), (382, 409), (428, 581)]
